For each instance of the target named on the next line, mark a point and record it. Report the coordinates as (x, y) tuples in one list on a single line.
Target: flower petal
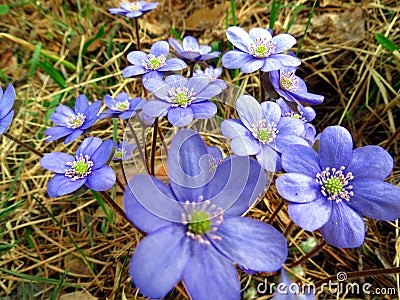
[(81, 104), (57, 132), (269, 159), (260, 33), (179, 116), (190, 44), (174, 43), (249, 110), (271, 111), (298, 188), (232, 128), (6, 121), (74, 135), (156, 108), (371, 162), (252, 66), (251, 244), (311, 215), (7, 100), (284, 140), (136, 58), (56, 162), (245, 145), (307, 97), (335, 147), (61, 185), (283, 42), (89, 146), (301, 159), (278, 61), (173, 64), (102, 154), (375, 199), (207, 262), (130, 71), (235, 59), (198, 83), (345, 228), (239, 38), (159, 261), (101, 179), (203, 110), (160, 48)]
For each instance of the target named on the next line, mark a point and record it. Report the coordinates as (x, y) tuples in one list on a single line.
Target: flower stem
[(139, 147), (23, 144), (262, 90), (310, 254), (114, 205), (120, 184), (154, 147), (275, 213), (392, 139), (138, 46), (289, 229)]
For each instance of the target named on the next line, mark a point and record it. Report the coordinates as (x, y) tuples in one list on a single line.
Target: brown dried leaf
[(204, 18), (77, 296)]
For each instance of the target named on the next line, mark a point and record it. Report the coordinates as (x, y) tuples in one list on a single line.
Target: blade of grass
[(274, 13), (35, 59), (100, 200), (54, 296), (16, 176), (98, 36), (53, 73), (175, 33), (305, 30), (296, 12), (386, 42), (5, 212), (233, 11)]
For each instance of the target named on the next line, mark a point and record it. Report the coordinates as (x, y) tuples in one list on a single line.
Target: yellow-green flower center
[(121, 106), (80, 168), (153, 63), (181, 99), (263, 135), (200, 222), (264, 132), (133, 6), (288, 81), (75, 121), (333, 185), (261, 48)]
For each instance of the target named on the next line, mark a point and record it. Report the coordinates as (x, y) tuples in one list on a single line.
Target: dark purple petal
[(159, 261), (251, 244), (232, 128), (57, 132), (102, 154), (375, 199), (6, 122), (56, 162), (370, 162), (156, 108), (311, 215), (190, 55), (274, 77), (156, 197), (203, 110), (190, 44), (61, 185), (7, 100), (89, 146), (133, 71), (335, 147), (260, 33), (301, 159), (249, 110), (245, 145), (207, 262), (136, 58), (73, 136), (176, 45), (271, 111), (345, 228), (298, 188), (239, 38), (81, 104), (307, 97), (101, 179), (236, 184), (269, 159), (235, 59), (160, 48), (188, 165), (283, 42), (179, 116)]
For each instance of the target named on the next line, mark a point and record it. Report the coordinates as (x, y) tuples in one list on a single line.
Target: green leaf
[(175, 33), (4, 9), (386, 43)]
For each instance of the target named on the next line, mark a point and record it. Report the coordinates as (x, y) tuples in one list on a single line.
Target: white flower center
[(75, 121), (135, 6), (153, 63), (121, 106), (264, 132), (261, 48), (335, 185), (79, 168), (181, 96), (296, 115)]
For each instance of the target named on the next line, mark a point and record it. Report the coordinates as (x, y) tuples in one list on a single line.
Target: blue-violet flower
[(121, 107), (133, 9), (213, 74), (123, 151), (190, 49), (6, 104)]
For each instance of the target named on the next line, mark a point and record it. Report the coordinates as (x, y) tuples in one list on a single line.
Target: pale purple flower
[(181, 99), (332, 190), (304, 114), (72, 123), (152, 65), (123, 151), (288, 290), (261, 131), (88, 168), (190, 49), (133, 9), (291, 87), (213, 74), (6, 104), (194, 224), (122, 106), (258, 50)]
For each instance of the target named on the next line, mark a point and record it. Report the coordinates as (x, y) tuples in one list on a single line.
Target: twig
[(23, 144)]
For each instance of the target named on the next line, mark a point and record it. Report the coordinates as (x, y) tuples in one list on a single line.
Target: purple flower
[(288, 290), (332, 190), (181, 99), (123, 151), (194, 225), (261, 131), (133, 9), (121, 107), (304, 114), (88, 168), (213, 74), (258, 50), (6, 104), (292, 87), (152, 65), (72, 123), (190, 49)]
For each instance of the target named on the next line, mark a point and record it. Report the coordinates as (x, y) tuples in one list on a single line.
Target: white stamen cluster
[(335, 185), (79, 168), (153, 63), (75, 121), (264, 132), (133, 6), (296, 115), (121, 106), (181, 96), (288, 81), (205, 216), (261, 47)]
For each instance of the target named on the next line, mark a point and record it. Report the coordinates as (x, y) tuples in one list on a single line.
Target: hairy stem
[(23, 144)]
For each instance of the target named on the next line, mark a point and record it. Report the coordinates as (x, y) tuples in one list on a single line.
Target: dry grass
[(341, 59)]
